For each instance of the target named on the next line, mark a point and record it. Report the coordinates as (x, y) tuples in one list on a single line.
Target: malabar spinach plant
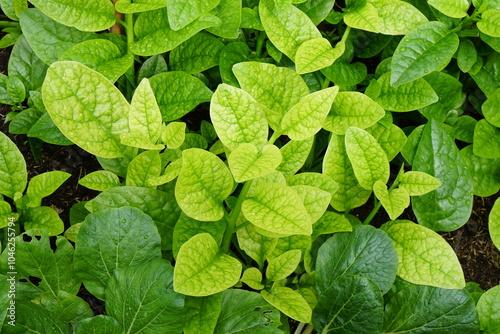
[(236, 217)]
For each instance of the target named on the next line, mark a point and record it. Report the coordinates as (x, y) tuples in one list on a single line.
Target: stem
[(275, 136), (345, 35), (260, 43), (300, 327), (129, 24), (372, 214), (325, 83), (233, 217), (7, 24), (308, 329), (310, 158)]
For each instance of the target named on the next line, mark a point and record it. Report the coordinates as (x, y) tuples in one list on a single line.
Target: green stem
[(299, 328), (129, 26), (233, 217), (377, 205), (309, 329), (260, 43), (8, 24), (325, 83), (345, 35), (310, 158), (274, 137)]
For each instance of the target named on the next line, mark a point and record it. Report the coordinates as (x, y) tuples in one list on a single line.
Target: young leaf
[(494, 224), (174, 134), (365, 252), (484, 171), (145, 116), (336, 164), (391, 139), (352, 109), (111, 239), (253, 278), (13, 174), (418, 183), (394, 201), (449, 206), (398, 17), (229, 12), (286, 26), (294, 154), (405, 97), (153, 39), (284, 265), (351, 304), (202, 314), (315, 200), (46, 130), (231, 54), (364, 18), (100, 324), (152, 66), (419, 308), (489, 313), (201, 270), (486, 140), (277, 208), (491, 108), (315, 54), (183, 12), (436, 45), (489, 23), (368, 160), (100, 55), (321, 181), (43, 218), (143, 169), (255, 245), (247, 162), (93, 15), (197, 54), (142, 298), (306, 118), (467, 55), (453, 8), (129, 7), (200, 193), (425, 257), (93, 122), (100, 180), (237, 117), (290, 302), (245, 311), (26, 65), (43, 185), (177, 93), (331, 222), (317, 10)]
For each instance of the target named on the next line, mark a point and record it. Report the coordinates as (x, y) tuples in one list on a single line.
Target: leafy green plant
[(244, 223)]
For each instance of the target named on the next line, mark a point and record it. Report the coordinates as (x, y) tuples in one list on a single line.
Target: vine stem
[(260, 43), (299, 328), (7, 24)]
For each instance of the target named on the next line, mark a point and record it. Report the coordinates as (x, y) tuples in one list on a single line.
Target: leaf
[(25, 64), (294, 154), (449, 206), (306, 118), (100, 324), (247, 312), (391, 139), (419, 308), (152, 66), (24, 121), (315, 54), (159, 205), (287, 27), (494, 224), (425, 257), (466, 56), (398, 17), (31, 317), (487, 308), (211, 271), (13, 174), (284, 265), (331, 222), (405, 97), (52, 269), (186, 228), (277, 208), (486, 140), (484, 171), (490, 108), (46, 130), (70, 308), (290, 302), (277, 88), (197, 54), (489, 23), (418, 183), (174, 134), (351, 304), (237, 117), (321, 181), (93, 122), (177, 93), (143, 169), (154, 35), (255, 245), (366, 252), (315, 200), (427, 48), (229, 12), (230, 55), (394, 201), (336, 164), (93, 15), (43, 218), (202, 314), (352, 109), (111, 239), (364, 18), (343, 73), (368, 160), (100, 180), (142, 298), (183, 12), (247, 162), (100, 55), (317, 10), (200, 193), (454, 8), (253, 278), (129, 7), (43, 185)]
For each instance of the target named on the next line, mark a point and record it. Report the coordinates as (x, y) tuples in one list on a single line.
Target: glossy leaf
[(229, 12), (398, 17), (489, 313), (143, 169), (331, 222), (231, 54), (246, 162), (197, 54), (316, 200), (418, 183), (201, 270), (491, 109), (257, 246), (427, 48), (391, 139), (174, 134), (494, 224), (489, 23), (454, 8), (129, 7), (202, 314), (484, 171), (100, 324), (364, 18), (294, 154), (200, 193), (26, 65), (183, 12), (394, 201), (13, 174), (92, 121), (467, 55), (43, 185), (110, 239), (425, 257), (486, 140), (315, 54), (43, 218), (284, 265), (365, 252), (290, 302), (145, 116)]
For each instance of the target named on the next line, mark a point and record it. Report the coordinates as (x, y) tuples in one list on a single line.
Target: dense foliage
[(235, 218)]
